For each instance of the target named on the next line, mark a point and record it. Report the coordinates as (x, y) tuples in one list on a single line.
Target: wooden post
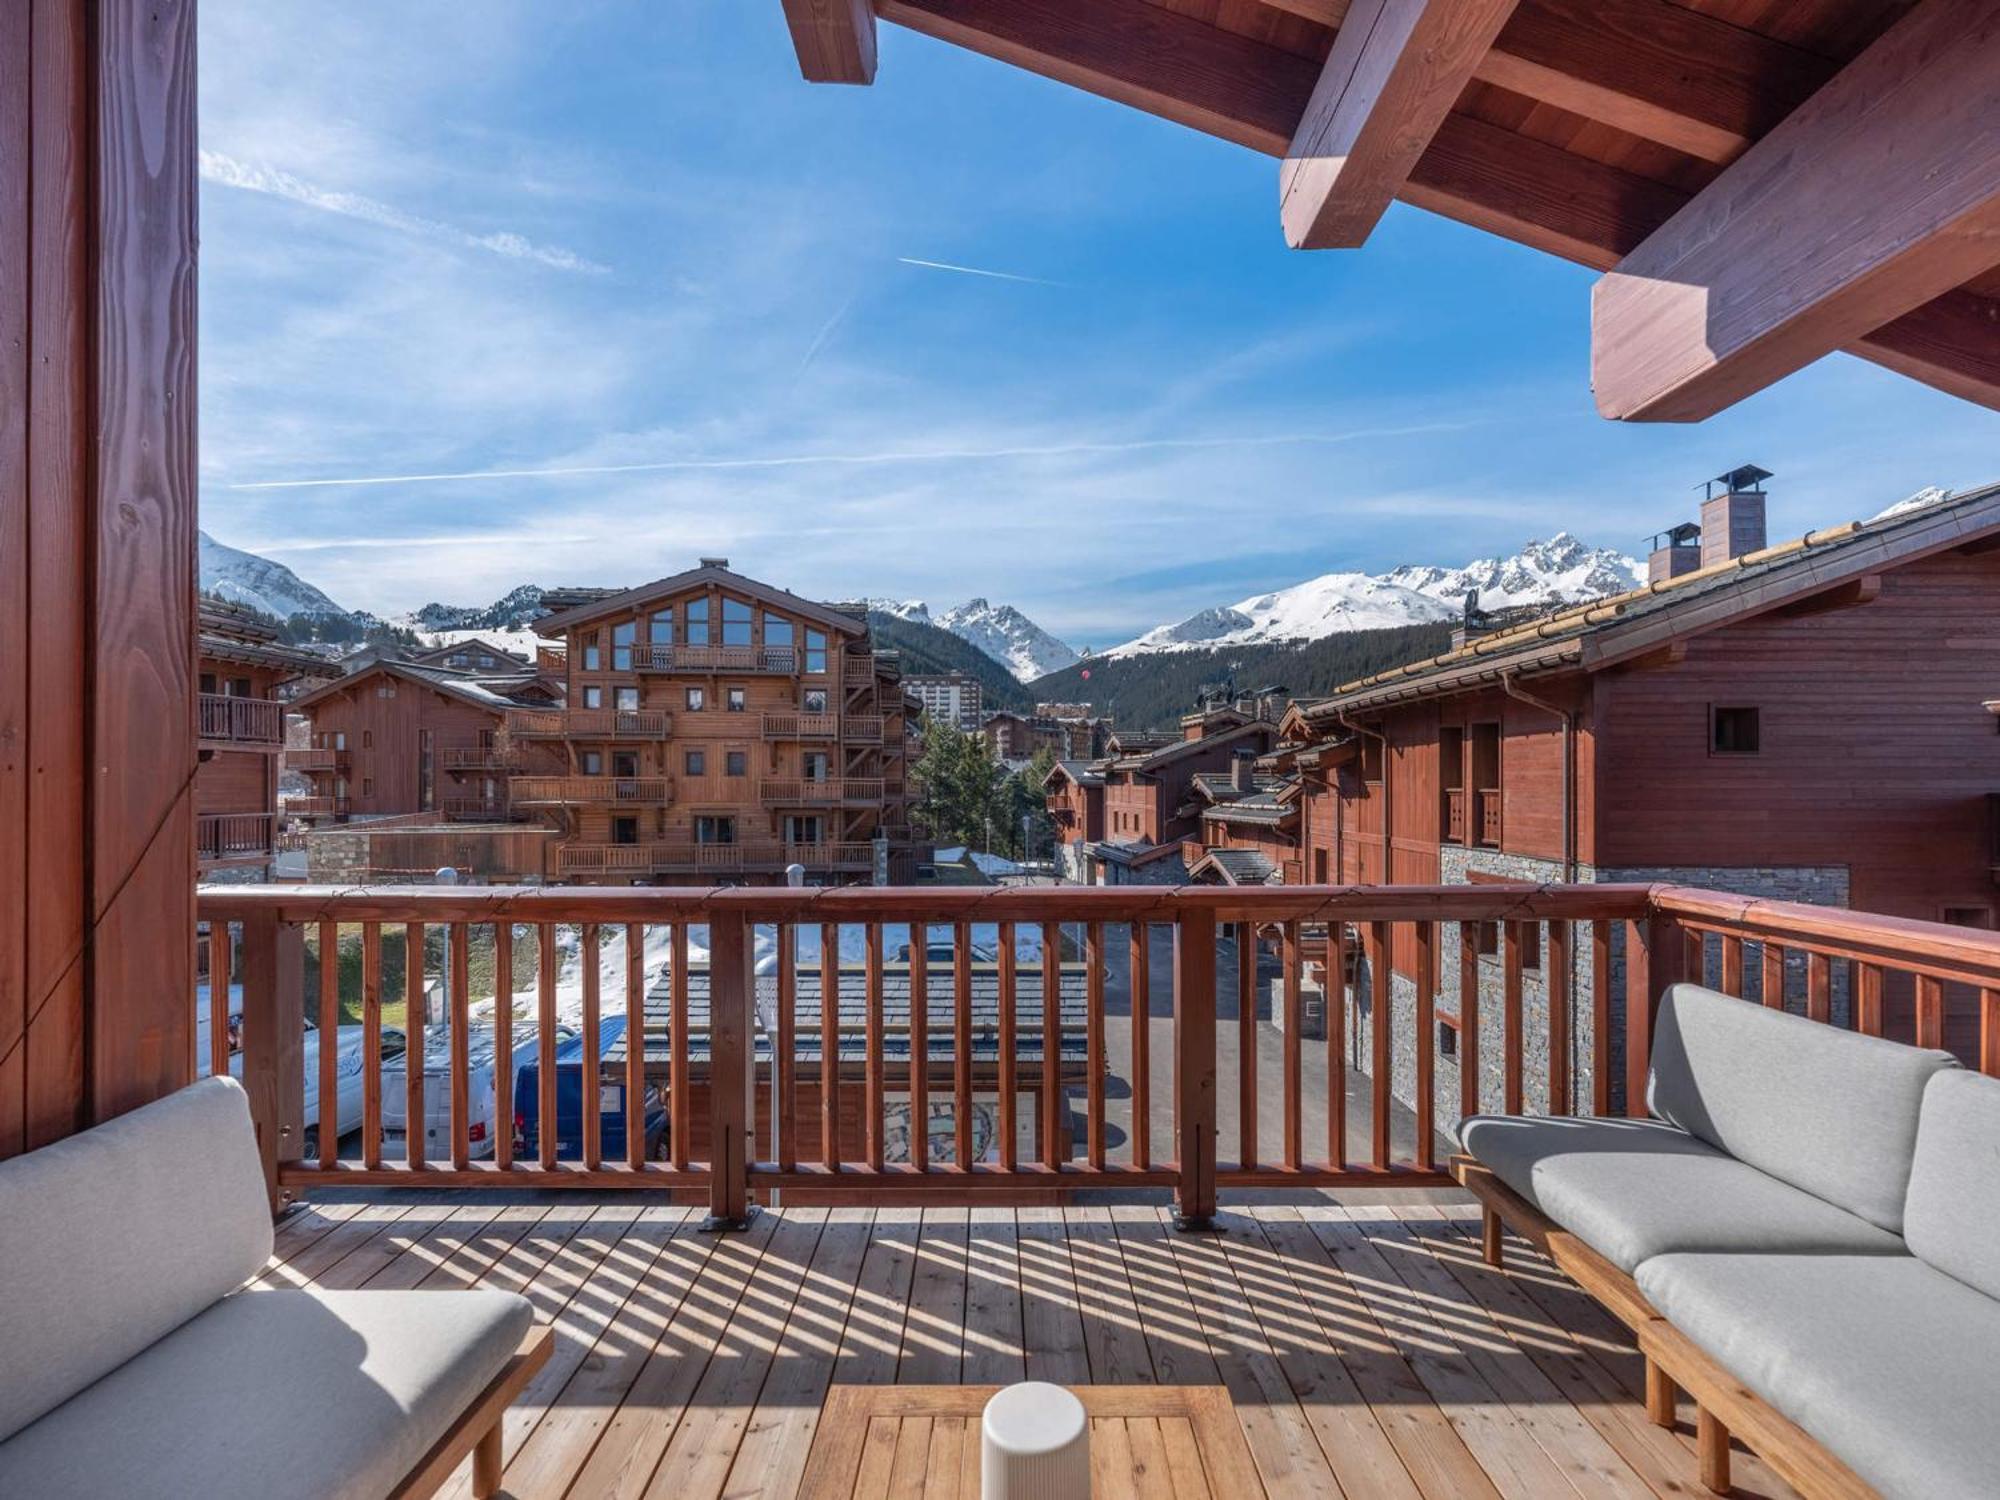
[(274, 1018), (1194, 1068), (1659, 1396), (730, 991), (1711, 1442), (1654, 959)]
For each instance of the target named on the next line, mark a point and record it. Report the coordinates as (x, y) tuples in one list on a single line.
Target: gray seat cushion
[(275, 1396), (1829, 1111), (118, 1235), (1887, 1362), (1636, 1188), (1953, 1217)]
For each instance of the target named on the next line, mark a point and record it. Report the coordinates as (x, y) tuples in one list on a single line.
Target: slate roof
[(1237, 866)]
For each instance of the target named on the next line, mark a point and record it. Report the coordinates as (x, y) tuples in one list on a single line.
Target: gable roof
[(1151, 760), (438, 655), (1235, 867), (1590, 637), (1082, 772), (488, 691), (564, 620)]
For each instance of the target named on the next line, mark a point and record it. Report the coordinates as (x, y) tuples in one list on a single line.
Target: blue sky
[(458, 237)]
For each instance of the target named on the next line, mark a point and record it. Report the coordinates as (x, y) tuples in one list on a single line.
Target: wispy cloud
[(255, 178), (945, 265), (921, 456)]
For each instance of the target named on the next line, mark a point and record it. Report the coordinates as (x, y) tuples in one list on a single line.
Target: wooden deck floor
[(1368, 1350)]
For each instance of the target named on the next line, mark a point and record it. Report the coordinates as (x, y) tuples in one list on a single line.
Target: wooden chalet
[(1761, 184), (1150, 803), (717, 728), (395, 738), (1249, 832), (241, 666), (1073, 793), (470, 655)]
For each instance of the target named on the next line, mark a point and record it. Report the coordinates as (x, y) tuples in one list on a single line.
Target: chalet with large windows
[(718, 728), (240, 732), (1802, 722), (1150, 805)]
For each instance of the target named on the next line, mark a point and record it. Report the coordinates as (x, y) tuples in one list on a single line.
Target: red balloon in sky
[(1086, 674)]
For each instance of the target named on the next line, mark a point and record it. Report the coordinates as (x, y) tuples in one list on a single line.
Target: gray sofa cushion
[(1953, 1217), (118, 1235), (1636, 1188), (1885, 1361), (1826, 1110), (275, 1396)]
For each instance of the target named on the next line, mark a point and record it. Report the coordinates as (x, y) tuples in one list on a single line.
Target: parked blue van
[(570, 1072)]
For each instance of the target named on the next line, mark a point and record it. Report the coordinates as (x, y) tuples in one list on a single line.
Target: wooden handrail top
[(1970, 954), (935, 905)]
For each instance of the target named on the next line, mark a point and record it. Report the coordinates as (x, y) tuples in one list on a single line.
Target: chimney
[(1239, 770), (1676, 550), (1732, 523), (715, 562)]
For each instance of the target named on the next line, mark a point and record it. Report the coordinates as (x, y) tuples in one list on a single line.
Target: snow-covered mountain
[(513, 610), (245, 578), (1560, 570), (1000, 630)]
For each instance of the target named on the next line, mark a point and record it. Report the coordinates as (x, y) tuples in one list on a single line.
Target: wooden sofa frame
[(1723, 1404), (478, 1429)]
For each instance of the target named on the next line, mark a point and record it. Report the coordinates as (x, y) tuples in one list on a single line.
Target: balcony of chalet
[(227, 721), (590, 791), (859, 729), (313, 805), (223, 839), (828, 791), (315, 759), (485, 756), (651, 657), (589, 724), (692, 857)]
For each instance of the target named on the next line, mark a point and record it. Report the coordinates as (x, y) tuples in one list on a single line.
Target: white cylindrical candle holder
[(1034, 1445)]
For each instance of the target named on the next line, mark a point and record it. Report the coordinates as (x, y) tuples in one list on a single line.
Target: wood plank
[(933, 1328), (1113, 1340), (1051, 1316), (1862, 205), (834, 39), (995, 1352), (1176, 1345), (16, 619), (1393, 74)]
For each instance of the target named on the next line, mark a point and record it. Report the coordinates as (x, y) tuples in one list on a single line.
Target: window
[(815, 765), (697, 699), (734, 701), (367, 739), (662, 627), (592, 762), (622, 637), (1733, 731), (777, 631), (802, 830), (624, 764), (591, 660), (814, 700), (1371, 758), (696, 763), (368, 786), (625, 700), (735, 763), (815, 650), (697, 622), (624, 830), (714, 830), (593, 697), (1969, 916), (340, 739), (735, 622)]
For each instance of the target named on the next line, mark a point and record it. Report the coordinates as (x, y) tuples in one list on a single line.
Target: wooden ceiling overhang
[(1761, 181)]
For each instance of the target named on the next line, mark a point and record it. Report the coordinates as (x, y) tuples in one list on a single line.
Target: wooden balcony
[(681, 857), (313, 806), (572, 791), (257, 723), (801, 726), (589, 724), (228, 838), (478, 758), (552, 661), (475, 809), (1486, 813), (314, 758), (647, 657), (832, 791)]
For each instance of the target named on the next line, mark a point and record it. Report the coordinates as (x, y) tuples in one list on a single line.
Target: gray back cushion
[(113, 1238), (1953, 1218), (1829, 1111)]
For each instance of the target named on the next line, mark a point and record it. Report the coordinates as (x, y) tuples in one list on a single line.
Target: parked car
[(482, 1120), (571, 1068), (943, 955), (348, 1070)]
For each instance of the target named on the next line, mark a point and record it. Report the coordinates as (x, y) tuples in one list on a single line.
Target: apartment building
[(953, 698)]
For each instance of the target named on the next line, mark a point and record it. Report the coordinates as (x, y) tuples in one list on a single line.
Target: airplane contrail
[(945, 265), (798, 460)]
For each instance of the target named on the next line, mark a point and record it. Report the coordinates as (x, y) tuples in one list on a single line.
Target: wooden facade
[(1150, 798), (719, 729)]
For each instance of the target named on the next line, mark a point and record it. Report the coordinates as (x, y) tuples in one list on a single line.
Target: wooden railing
[(590, 723), (684, 856), (648, 657), (314, 758), (801, 726), (475, 809), (1021, 1020), (221, 836), (1454, 815), (637, 791), (1486, 805), (794, 792), (313, 807), (489, 757), (244, 721), (551, 661)]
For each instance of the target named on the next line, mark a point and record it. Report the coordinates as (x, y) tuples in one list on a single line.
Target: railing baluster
[(1294, 1048), (1425, 974), (1381, 960), (1930, 1011), (1600, 1017), (1512, 1046), (329, 1048), (274, 1021), (1771, 986), (920, 1046), (414, 1122), (458, 937), (1336, 1046), (1246, 1044), (218, 999), (1868, 998), (1009, 1000), (1194, 1067), (503, 1045), (829, 1045), (1468, 1018), (545, 1045), (590, 1101), (1055, 1110), (1819, 987), (1556, 965), (635, 1046), (785, 1065), (872, 1063), (1093, 1043), (371, 1046), (961, 1046), (1140, 1004), (1732, 965), (731, 987), (680, 1118)]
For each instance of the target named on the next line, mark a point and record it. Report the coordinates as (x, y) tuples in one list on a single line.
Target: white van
[(482, 1120), (348, 1070)]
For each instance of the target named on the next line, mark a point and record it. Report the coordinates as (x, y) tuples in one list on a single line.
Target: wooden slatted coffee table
[(923, 1440)]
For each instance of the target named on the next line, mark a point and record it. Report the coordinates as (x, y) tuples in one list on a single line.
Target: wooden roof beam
[(1871, 200), (1396, 69), (835, 39)]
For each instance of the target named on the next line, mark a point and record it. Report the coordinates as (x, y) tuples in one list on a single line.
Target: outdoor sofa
[(134, 1361), (1805, 1236)]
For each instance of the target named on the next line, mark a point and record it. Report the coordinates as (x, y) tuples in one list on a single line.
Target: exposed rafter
[(835, 39), (1870, 200), (1396, 69)]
